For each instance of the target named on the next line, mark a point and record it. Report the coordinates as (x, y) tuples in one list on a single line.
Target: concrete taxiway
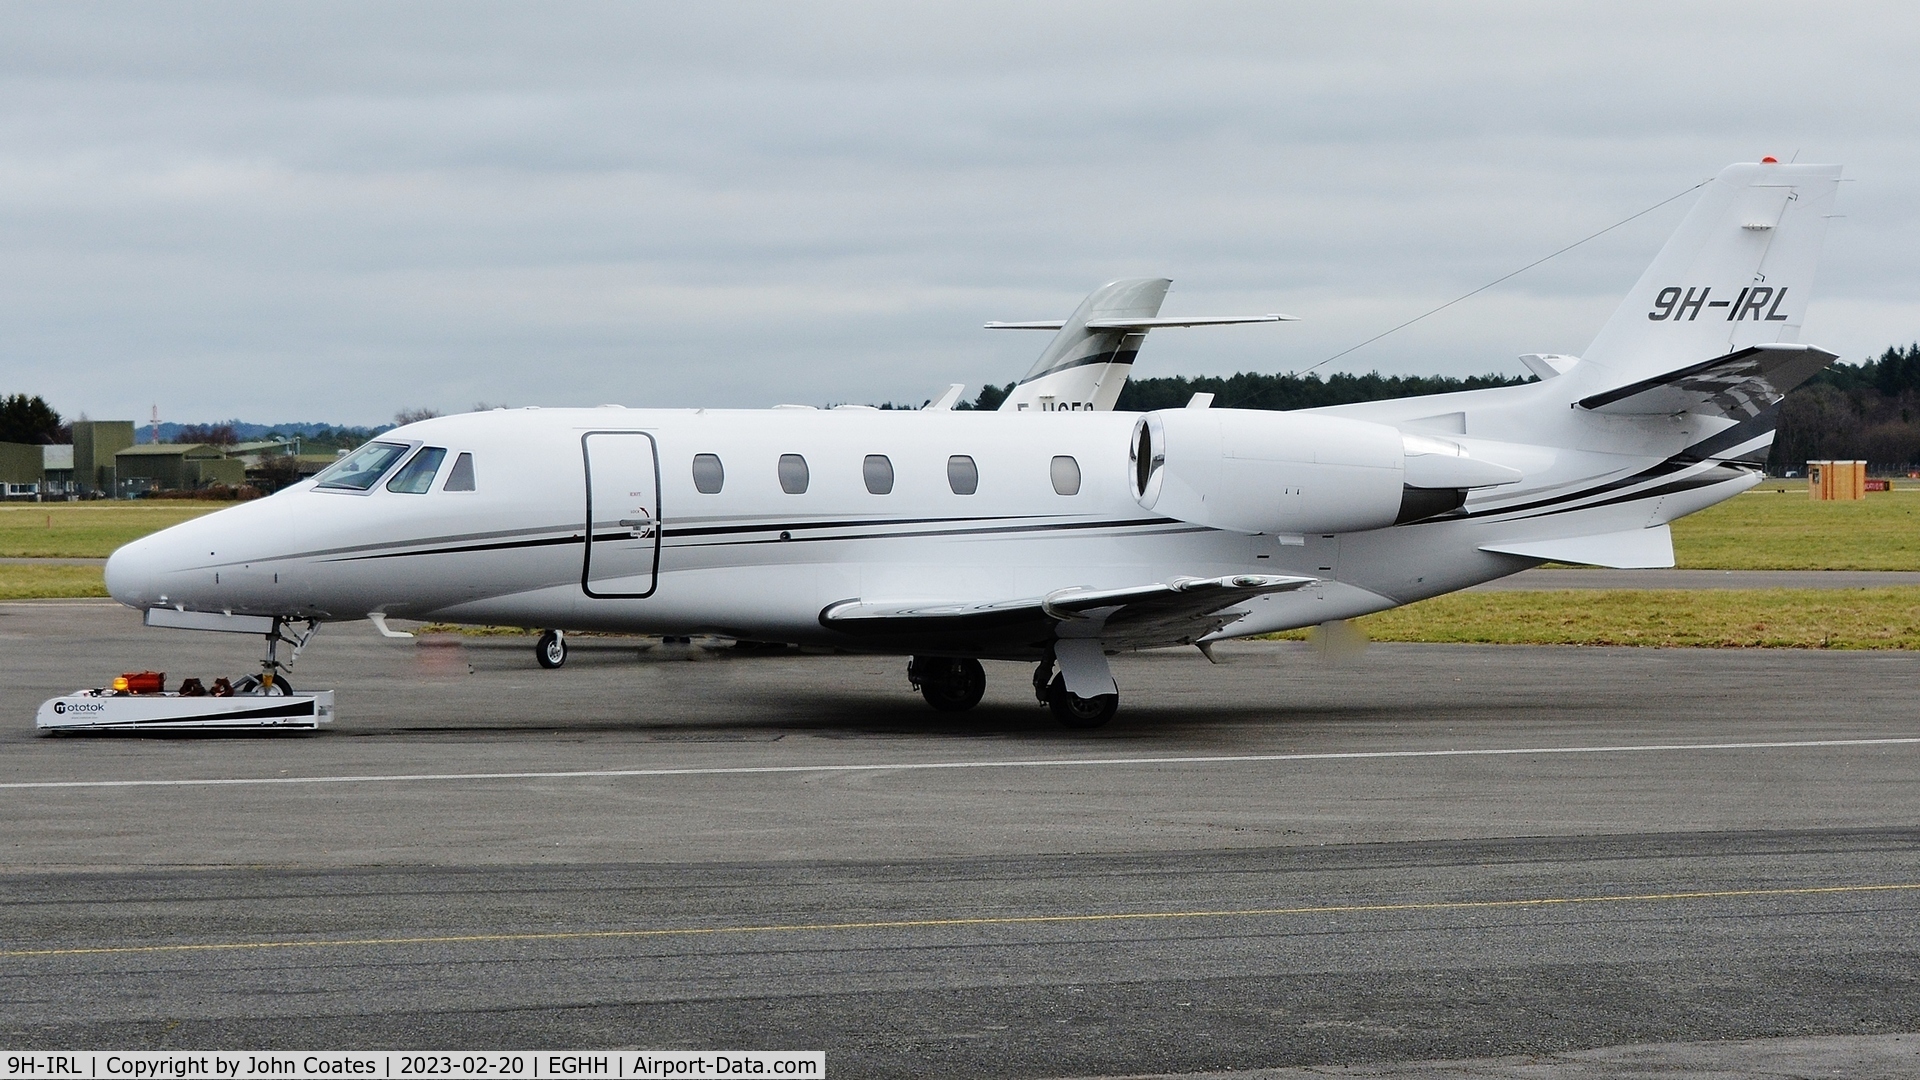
[(1427, 855)]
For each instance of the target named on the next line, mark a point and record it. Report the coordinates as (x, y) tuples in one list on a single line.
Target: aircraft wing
[(1174, 612), (1739, 385)]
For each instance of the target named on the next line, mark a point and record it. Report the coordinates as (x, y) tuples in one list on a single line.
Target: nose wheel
[(551, 649), (949, 684)]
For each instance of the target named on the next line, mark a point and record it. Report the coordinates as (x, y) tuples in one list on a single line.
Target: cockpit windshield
[(363, 468)]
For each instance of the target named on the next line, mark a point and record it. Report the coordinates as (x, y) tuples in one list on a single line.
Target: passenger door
[(623, 515)]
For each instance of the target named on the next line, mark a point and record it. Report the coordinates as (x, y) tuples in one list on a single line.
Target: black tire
[(950, 685), (251, 686), (1078, 712), (551, 649)]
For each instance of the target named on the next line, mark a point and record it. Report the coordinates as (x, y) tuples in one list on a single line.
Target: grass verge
[(27, 582), (1784, 530), (1704, 618), (88, 530)]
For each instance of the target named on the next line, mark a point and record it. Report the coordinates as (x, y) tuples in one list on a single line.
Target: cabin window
[(416, 476), (460, 477), (362, 469), (793, 474), (709, 476), (963, 476), (1066, 475), (878, 473)]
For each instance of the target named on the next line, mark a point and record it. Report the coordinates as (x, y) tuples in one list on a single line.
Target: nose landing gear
[(272, 680)]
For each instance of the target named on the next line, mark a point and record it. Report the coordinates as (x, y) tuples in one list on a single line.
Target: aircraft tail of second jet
[(1084, 366)]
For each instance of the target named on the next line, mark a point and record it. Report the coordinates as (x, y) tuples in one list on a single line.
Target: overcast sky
[(331, 211)]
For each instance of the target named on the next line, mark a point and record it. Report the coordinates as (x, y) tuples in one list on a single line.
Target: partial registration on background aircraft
[(950, 537)]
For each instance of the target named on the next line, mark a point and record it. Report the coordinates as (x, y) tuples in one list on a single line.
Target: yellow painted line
[(1001, 763), (984, 920)]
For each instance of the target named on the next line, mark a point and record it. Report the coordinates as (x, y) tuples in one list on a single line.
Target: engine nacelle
[(1267, 472)]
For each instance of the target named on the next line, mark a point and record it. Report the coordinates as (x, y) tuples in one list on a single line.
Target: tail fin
[(1737, 273), (1083, 367)]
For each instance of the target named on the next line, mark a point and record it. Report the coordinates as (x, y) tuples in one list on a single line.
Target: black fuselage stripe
[(509, 545), (958, 532), (796, 526), (674, 534)]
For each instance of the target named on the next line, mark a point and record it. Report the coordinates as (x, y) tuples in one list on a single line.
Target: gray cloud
[(330, 211)]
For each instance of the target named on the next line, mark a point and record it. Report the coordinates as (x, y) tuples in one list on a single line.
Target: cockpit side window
[(460, 477), (416, 476), (363, 468)]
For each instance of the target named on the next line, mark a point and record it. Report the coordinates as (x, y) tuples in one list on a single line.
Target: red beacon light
[(1769, 160)]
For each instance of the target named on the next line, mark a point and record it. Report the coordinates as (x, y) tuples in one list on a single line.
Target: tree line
[(1868, 411), (1253, 390)]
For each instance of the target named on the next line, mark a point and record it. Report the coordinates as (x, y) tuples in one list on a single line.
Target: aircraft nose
[(130, 574)]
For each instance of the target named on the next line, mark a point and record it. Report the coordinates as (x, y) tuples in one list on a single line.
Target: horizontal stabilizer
[(1636, 549), (1177, 611), (1145, 324), (1190, 320), (1739, 385)]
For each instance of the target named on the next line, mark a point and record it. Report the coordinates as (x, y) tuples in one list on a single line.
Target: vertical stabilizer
[(1084, 368), (1737, 273)]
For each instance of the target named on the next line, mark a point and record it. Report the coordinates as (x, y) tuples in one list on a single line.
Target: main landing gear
[(1069, 708), (949, 684), (551, 649), (956, 684)]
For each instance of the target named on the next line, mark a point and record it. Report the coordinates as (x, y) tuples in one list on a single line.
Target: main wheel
[(1079, 712), (551, 650), (948, 684)]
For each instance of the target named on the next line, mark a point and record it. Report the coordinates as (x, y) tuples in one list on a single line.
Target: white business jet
[(953, 537)]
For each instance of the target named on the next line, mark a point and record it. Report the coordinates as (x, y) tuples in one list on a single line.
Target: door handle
[(642, 528)]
